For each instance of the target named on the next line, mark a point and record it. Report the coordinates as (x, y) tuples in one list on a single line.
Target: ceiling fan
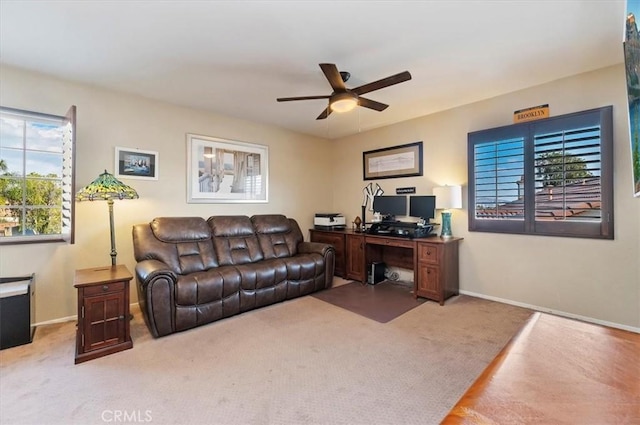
[(343, 99)]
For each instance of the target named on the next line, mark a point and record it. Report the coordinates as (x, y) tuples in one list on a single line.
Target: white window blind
[(568, 168), (498, 172)]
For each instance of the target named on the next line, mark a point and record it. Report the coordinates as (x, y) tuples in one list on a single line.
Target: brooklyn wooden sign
[(531, 114)]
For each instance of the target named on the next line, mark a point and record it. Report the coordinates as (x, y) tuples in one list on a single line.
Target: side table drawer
[(428, 253), (103, 289)]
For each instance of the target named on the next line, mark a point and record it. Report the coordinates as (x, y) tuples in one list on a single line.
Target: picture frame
[(631, 46), (397, 161), (222, 170), (133, 163)]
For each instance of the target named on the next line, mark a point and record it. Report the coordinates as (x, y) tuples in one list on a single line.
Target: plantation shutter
[(497, 191), (499, 173), (573, 174), (68, 176), (567, 176), (549, 177)]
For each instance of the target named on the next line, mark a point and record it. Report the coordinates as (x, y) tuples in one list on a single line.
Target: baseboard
[(132, 307), (136, 306), (552, 311), (54, 321)]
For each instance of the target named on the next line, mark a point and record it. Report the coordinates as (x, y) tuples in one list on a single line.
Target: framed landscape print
[(220, 170), (396, 161), (136, 164)]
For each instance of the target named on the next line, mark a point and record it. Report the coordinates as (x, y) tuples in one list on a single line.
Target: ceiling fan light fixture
[(343, 102)]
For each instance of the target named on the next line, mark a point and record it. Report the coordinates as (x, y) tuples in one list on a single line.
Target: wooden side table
[(103, 312)]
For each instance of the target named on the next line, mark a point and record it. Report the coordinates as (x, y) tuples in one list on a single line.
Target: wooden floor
[(558, 371)]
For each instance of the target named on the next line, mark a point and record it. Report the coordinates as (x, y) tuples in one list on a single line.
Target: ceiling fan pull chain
[(328, 129)]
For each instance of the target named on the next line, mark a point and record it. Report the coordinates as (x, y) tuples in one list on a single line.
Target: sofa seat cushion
[(262, 283), (204, 297), (208, 286), (305, 274)]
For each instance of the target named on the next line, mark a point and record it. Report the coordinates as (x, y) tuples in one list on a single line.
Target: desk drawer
[(428, 253), (386, 241)]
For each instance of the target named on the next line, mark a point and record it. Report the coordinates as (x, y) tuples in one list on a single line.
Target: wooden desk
[(434, 260), (557, 371)]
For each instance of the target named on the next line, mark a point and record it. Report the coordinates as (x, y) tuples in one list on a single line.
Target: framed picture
[(220, 170), (632, 65), (136, 164), (397, 161)]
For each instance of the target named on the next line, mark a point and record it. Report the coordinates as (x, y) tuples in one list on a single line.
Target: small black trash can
[(16, 310)]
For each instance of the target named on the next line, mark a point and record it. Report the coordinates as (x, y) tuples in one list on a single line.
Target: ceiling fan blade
[(372, 104), (385, 82), (288, 99), (334, 77), (324, 114)]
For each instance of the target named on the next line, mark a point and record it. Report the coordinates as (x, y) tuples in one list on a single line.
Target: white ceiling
[(236, 58)]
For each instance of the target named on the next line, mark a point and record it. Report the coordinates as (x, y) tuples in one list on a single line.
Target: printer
[(329, 221)]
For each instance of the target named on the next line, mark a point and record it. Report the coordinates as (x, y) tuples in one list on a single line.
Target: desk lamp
[(107, 188), (447, 197)]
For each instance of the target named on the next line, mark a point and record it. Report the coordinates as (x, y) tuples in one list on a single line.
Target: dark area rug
[(382, 302)]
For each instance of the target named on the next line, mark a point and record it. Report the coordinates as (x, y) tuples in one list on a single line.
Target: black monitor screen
[(422, 207), (390, 205)]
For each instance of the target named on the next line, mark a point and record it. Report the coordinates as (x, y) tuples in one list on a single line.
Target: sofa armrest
[(147, 270), (328, 253), (156, 289), (315, 248)]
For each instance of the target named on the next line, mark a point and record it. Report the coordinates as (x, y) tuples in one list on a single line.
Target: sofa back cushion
[(234, 240), (278, 235), (183, 243)]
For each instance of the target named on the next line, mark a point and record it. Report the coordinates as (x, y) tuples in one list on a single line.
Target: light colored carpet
[(303, 361)]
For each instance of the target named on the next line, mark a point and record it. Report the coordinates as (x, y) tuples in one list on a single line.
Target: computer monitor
[(390, 206), (423, 207)]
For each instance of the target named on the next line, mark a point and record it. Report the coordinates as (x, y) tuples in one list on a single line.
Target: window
[(36, 176), (550, 177)]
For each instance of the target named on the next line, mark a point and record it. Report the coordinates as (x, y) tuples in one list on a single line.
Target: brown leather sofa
[(191, 271)]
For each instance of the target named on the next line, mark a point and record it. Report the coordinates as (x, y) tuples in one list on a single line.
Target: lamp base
[(446, 225)]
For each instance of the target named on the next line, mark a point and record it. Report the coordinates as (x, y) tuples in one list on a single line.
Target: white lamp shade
[(448, 197)]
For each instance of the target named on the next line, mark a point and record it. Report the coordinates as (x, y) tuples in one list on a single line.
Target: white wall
[(591, 278), (598, 279), (298, 168)]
